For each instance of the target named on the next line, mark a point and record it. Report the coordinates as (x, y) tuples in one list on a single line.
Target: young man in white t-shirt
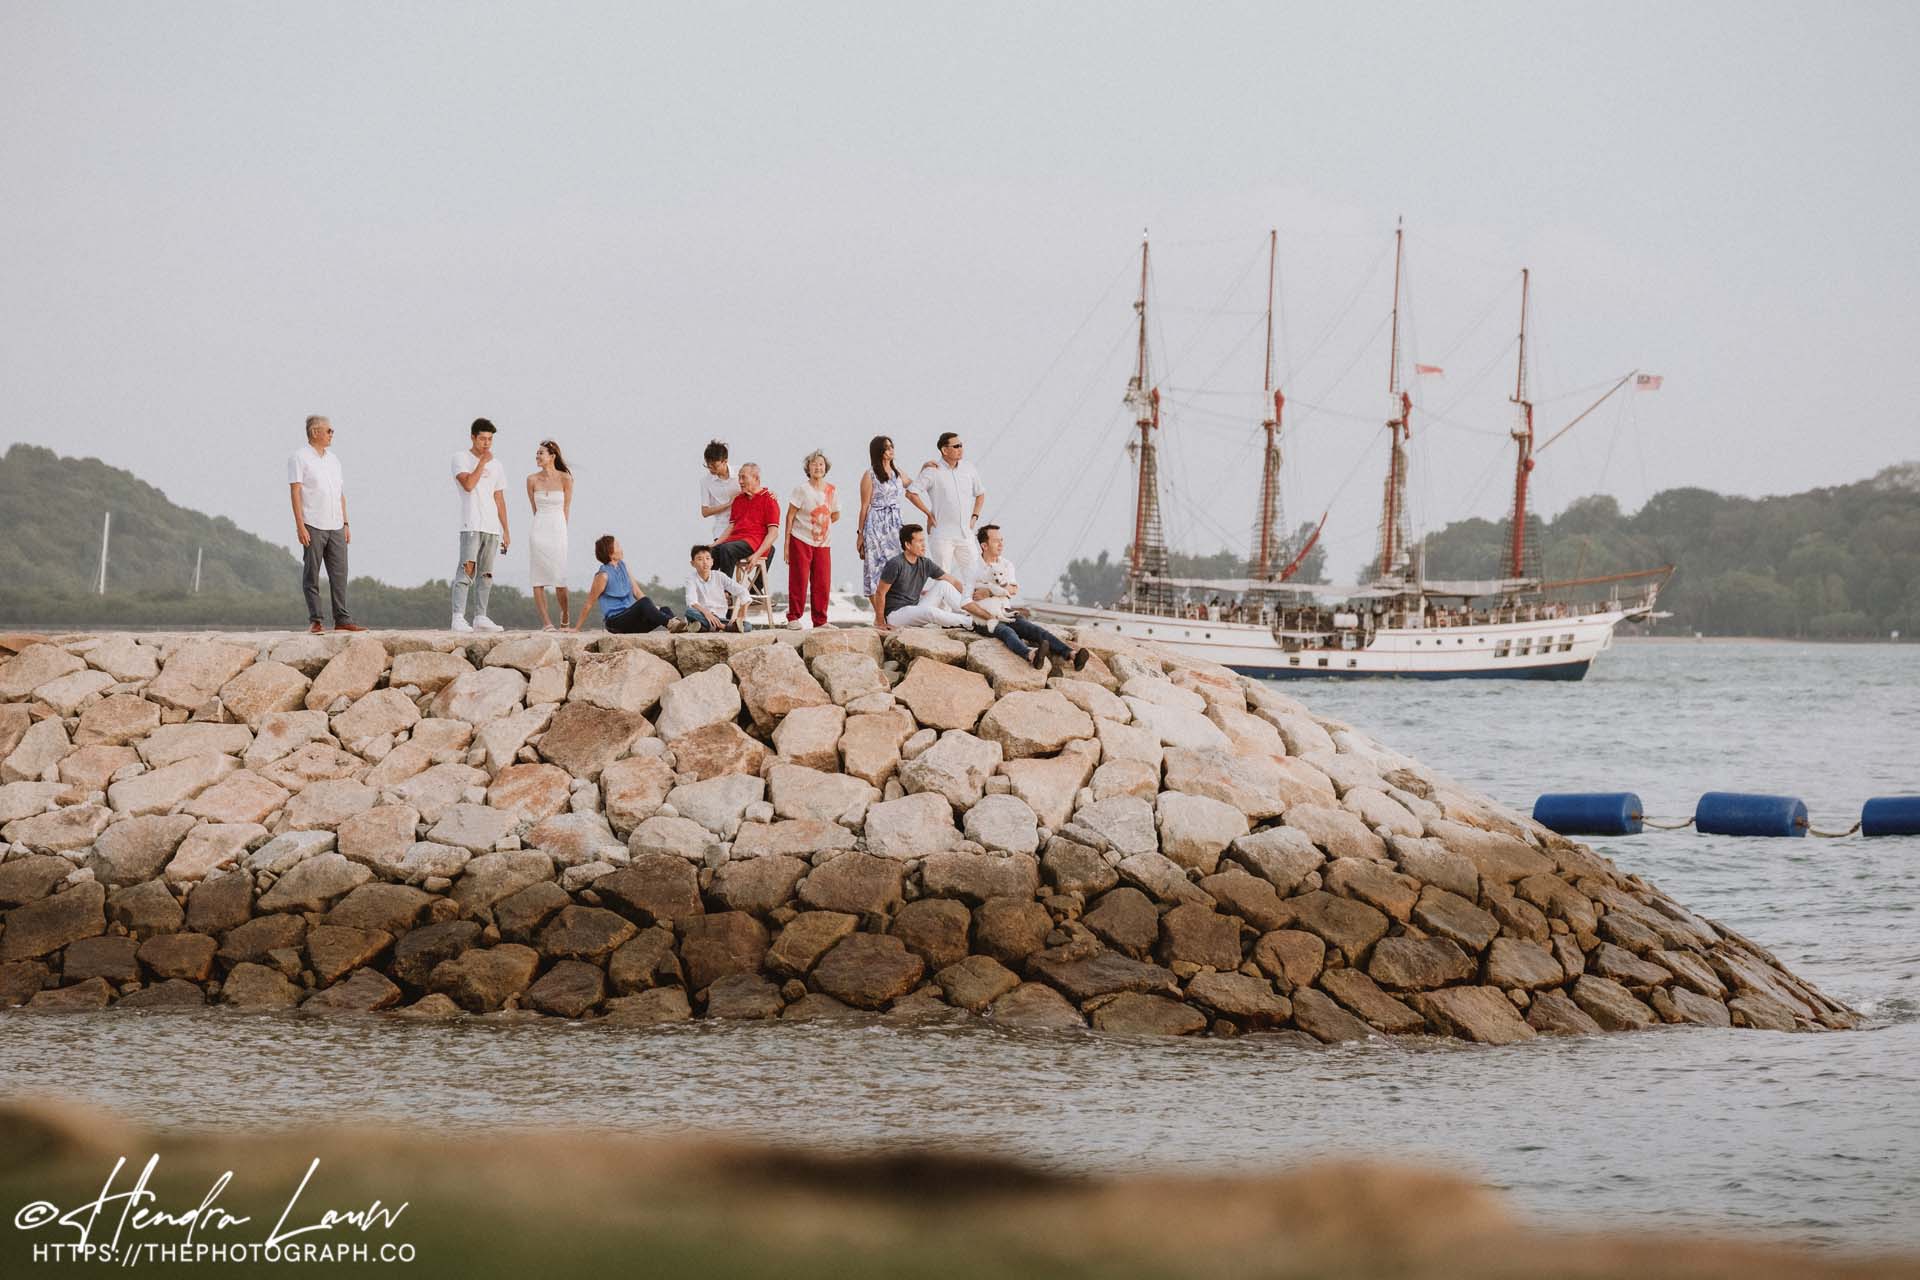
[(718, 489), (711, 596), (478, 476), (320, 522)]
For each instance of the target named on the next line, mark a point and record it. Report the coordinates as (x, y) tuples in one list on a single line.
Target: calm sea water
[(1813, 1136)]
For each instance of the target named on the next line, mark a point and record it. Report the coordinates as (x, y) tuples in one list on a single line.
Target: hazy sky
[(632, 228)]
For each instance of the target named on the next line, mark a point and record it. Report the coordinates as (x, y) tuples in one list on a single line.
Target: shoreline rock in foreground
[(644, 829)]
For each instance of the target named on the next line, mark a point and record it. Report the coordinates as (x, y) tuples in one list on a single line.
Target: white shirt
[(318, 475), (713, 591), (478, 514), (950, 491), (713, 491), (1000, 579)]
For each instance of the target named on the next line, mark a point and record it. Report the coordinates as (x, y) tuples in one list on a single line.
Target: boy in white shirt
[(718, 489), (711, 596)]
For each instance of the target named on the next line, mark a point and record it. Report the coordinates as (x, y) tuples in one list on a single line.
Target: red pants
[(808, 565)]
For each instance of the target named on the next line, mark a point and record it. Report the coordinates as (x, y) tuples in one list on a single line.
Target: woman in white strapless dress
[(550, 491)]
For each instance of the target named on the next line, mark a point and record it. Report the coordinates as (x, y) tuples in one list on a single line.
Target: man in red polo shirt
[(756, 523)]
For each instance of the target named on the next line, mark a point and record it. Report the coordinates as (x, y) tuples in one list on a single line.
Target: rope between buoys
[(1832, 835), (1666, 826)]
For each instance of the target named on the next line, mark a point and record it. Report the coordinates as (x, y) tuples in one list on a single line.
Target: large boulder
[(533, 792), (911, 826), (810, 736), (717, 749), (956, 768), (479, 696), (626, 680), (801, 792), (1034, 723), (774, 680), (718, 804), (1195, 829), (116, 720), (161, 790), (262, 689), (942, 696), (868, 971), (708, 698), (195, 671), (1255, 785), (584, 738), (1050, 784)]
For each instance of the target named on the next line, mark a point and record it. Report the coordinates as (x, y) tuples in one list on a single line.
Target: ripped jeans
[(476, 561)]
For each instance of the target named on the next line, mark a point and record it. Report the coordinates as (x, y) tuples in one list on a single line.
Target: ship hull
[(1542, 649)]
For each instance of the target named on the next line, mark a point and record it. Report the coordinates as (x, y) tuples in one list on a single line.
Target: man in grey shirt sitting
[(913, 591)]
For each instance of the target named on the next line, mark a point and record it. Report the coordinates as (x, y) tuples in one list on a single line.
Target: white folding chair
[(755, 579)]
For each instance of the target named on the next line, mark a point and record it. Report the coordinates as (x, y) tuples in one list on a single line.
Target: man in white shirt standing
[(950, 493), (320, 522), (718, 489), (483, 525)]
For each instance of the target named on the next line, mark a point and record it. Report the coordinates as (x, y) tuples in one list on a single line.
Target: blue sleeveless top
[(618, 597)]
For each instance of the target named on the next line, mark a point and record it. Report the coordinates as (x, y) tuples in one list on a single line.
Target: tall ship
[(1397, 623)]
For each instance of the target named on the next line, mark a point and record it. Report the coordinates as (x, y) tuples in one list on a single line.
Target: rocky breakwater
[(652, 828)]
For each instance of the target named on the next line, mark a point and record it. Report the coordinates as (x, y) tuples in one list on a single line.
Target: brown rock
[(1345, 925), (41, 928), (350, 674), (1528, 966), (1315, 1013), (239, 797), (1249, 1001), (1419, 964), (976, 982), (1281, 856), (1481, 1014), (645, 961), (91, 768), (1518, 918), (114, 720), (1374, 884), (519, 916), (220, 903), (82, 997), (1364, 997), (868, 971), (1247, 896), (1103, 973), (632, 789), (1126, 920), (1610, 1004), (585, 933), (743, 995), (1291, 957), (1626, 968), (336, 950), (134, 850), (174, 993), (571, 989), (1131, 1013), (179, 955), (806, 938), (255, 986), (254, 941), (494, 877), (261, 690), (114, 959), (1552, 1014), (31, 878), (531, 792), (583, 740), (757, 885), (856, 883), (942, 696), (1759, 1011), (313, 884), (714, 946), (480, 981), (1451, 916), (386, 908), (1336, 831), (364, 991), (1683, 1005), (649, 1008), (796, 837), (1199, 935), (1074, 868), (1499, 858), (975, 877), (719, 749), (935, 929), (194, 672), (1032, 1004), (774, 681), (1009, 929)]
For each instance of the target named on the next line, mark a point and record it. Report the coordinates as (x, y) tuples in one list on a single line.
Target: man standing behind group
[(718, 489), (950, 493), (320, 522), (754, 525), (483, 525)]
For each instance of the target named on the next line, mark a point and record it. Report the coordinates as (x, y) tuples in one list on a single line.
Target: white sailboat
[(1399, 624)]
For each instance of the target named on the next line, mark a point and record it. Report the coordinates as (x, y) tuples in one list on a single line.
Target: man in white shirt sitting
[(950, 493), (320, 522), (994, 587), (711, 596)]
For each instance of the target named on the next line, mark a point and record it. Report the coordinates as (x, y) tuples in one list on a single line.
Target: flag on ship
[(1430, 368), (1647, 382)]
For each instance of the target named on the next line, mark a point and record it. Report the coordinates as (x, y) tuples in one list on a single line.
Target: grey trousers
[(329, 547), (476, 549)]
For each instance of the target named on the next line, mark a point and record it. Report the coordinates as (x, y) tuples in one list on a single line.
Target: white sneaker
[(461, 624), (798, 624), (484, 623)]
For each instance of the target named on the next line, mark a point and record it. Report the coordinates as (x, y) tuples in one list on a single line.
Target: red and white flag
[(1430, 368), (1647, 382)]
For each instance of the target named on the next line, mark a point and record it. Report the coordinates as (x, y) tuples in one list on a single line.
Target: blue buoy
[(1891, 816), (1733, 813), (1590, 813)]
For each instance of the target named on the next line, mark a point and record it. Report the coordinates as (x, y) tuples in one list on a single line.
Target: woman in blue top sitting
[(613, 589)]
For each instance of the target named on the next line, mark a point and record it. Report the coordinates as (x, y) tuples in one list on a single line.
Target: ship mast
[(1147, 568), (1393, 513), (1523, 447), (1266, 547)]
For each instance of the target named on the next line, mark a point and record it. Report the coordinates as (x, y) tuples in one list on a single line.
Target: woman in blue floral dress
[(882, 492)]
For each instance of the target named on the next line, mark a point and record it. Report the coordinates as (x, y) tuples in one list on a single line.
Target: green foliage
[(1839, 563), (50, 508)]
